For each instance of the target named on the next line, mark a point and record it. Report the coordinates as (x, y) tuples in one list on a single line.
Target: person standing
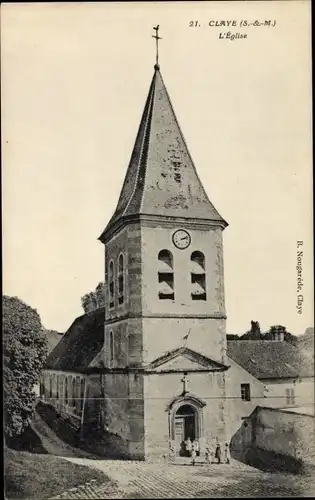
[(196, 442), (188, 446), (218, 453), (227, 453), (171, 452), (207, 455), (193, 452), (211, 449)]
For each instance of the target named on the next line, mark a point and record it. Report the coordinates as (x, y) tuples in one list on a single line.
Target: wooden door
[(247, 432), (179, 432), (190, 430)]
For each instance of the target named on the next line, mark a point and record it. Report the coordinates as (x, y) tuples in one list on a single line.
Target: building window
[(55, 387), (166, 275), (58, 388), (61, 389), (111, 348), (66, 390), (290, 396), (50, 386), (77, 394), (73, 392), (198, 276), (121, 272), (245, 392), (111, 284), (82, 394)]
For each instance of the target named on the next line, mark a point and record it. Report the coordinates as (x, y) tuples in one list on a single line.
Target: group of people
[(211, 455), (218, 454)]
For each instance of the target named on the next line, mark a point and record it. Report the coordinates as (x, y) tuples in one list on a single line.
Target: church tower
[(165, 336)]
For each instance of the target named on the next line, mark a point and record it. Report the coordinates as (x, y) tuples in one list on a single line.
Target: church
[(151, 366)]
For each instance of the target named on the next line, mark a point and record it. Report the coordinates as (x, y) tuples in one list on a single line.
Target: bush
[(24, 352)]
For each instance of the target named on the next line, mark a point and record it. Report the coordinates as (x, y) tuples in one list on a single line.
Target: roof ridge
[(145, 140)]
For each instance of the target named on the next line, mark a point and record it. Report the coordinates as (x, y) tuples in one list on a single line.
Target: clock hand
[(184, 238)]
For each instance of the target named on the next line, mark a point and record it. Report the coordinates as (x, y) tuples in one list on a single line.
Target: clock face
[(181, 239)]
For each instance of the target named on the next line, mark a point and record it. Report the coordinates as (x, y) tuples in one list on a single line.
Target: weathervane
[(157, 38), (185, 338)]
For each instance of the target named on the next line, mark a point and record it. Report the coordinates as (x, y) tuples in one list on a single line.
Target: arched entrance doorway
[(185, 426), (185, 420)]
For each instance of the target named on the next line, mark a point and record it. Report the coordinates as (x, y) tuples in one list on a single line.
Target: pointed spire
[(161, 179)]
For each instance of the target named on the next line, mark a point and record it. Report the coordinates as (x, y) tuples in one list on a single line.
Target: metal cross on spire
[(157, 38)]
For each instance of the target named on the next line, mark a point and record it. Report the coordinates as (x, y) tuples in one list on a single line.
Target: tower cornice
[(181, 316), (158, 220)]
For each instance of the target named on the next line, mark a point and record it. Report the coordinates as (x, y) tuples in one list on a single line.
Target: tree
[(254, 333), (232, 336), (95, 299), (309, 332), (88, 302), (306, 342), (24, 352), (100, 294)]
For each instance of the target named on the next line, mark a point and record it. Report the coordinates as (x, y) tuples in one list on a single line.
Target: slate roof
[(269, 359), (161, 178), (80, 344), (53, 338)]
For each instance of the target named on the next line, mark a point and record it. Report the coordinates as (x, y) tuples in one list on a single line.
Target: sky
[(74, 82)]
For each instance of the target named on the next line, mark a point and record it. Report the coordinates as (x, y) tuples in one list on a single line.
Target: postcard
[(158, 249)]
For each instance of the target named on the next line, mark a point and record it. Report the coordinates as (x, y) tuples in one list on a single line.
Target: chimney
[(279, 333)]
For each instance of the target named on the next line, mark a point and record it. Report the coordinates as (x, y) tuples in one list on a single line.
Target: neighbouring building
[(276, 439), (287, 374)]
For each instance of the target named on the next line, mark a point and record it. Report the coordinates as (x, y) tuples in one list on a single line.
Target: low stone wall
[(286, 433), (276, 440)]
